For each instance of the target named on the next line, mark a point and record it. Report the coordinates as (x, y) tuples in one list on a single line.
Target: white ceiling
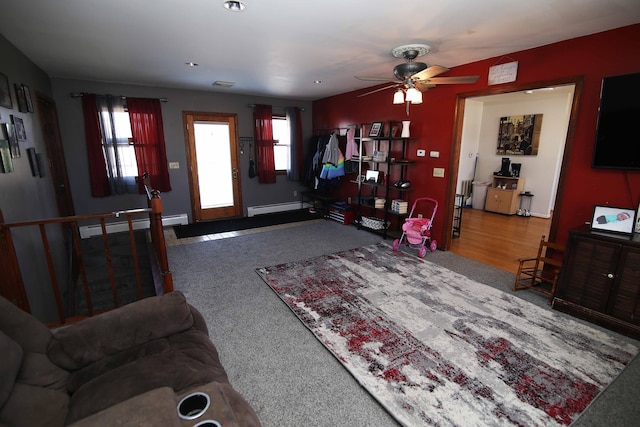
[(280, 47)]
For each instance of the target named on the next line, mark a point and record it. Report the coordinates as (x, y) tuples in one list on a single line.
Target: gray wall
[(24, 197), (176, 201)]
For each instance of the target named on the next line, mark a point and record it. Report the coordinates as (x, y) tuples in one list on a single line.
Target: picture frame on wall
[(21, 100), (27, 98), (33, 161), (40, 162), (613, 219), (14, 146), (6, 164), (376, 129), (5, 92), (19, 125)]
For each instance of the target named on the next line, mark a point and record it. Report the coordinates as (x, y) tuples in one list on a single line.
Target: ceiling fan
[(412, 77)]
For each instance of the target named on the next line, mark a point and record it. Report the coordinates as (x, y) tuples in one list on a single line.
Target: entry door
[(212, 156)]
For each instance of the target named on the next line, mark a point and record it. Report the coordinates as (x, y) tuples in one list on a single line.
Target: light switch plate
[(422, 153), (435, 154), (174, 165), (438, 172)]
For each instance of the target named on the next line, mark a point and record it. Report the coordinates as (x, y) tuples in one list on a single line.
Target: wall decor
[(5, 92), (519, 135), (614, 219), (19, 124), (27, 98), (10, 132), (376, 129), (22, 101), (6, 164), (33, 161), (40, 162)]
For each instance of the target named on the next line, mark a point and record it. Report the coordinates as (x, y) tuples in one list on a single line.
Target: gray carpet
[(277, 364)]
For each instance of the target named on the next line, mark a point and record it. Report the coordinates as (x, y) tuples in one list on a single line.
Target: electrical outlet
[(438, 172), (295, 193), (174, 165)]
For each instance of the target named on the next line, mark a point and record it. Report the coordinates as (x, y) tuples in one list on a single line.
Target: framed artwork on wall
[(519, 135), (5, 92), (11, 136), (6, 164), (27, 98), (19, 124), (22, 101), (33, 161), (613, 219), (376, 129)]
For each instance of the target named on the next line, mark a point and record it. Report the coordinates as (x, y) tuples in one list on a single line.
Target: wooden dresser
[(600, 280)]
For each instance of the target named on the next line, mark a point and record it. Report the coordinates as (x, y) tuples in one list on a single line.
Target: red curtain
[(264, 144), (147, 129), (97, 165)]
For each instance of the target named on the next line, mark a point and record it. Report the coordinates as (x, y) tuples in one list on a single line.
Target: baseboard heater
[(276, 207), (138, 224)]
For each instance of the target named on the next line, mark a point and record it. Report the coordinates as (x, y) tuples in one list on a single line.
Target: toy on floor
[(416, 230)]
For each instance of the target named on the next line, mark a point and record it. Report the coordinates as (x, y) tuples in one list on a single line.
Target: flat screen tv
[(617, 135)]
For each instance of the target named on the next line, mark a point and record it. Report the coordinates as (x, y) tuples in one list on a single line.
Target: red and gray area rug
[(438, 348)]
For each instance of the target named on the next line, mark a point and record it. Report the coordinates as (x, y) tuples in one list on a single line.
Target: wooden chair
[(541, 273)]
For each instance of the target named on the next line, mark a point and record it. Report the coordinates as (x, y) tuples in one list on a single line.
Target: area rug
[(437, 348)]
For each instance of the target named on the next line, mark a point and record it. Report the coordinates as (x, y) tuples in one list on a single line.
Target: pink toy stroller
[(416, 232)]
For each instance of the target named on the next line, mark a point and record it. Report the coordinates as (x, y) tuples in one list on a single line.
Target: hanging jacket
[(331, 171), (332, 152)]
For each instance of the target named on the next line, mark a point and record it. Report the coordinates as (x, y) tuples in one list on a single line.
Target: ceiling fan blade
[(374, 79), (451, 80), (423, 87), (429, 72), (378, 90)]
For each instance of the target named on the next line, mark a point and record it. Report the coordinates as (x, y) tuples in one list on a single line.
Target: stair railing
[(11, 281)]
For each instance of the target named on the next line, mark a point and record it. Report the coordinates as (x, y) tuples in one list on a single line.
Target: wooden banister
[(11, 281)]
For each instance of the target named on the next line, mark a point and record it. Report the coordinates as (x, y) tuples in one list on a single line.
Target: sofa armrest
[(92, 339), (153, 408)]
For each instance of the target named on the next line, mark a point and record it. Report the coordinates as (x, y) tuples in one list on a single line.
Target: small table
[(525, 203)]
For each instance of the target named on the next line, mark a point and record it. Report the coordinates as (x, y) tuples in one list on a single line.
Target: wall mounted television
[(617, 143)]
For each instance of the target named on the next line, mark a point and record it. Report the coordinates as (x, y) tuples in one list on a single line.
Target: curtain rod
[(273, 106), (79, 95)]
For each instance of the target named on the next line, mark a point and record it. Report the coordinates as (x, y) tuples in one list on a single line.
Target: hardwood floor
[(499, 240)]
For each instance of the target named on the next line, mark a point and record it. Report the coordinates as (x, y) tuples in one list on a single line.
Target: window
[(121, 152), (282, 146), (125, 141)]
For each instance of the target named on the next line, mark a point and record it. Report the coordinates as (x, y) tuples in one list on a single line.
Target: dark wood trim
[(456, 142)]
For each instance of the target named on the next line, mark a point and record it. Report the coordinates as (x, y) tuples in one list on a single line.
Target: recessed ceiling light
[(222, 83), (234, 6), (192, 64)]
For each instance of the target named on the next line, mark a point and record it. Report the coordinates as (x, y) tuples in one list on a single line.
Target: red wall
[(594, 57)]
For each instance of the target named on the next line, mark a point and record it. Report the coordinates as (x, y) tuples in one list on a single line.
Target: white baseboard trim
[(276, 207), (138, 224)]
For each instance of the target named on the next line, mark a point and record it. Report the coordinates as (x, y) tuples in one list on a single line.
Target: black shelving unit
[(457, 215), (391, 168)]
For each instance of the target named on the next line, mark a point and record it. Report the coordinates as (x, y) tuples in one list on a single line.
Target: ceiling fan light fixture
[(414, 96), (234, 6), (398, 97), (417, 99)]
